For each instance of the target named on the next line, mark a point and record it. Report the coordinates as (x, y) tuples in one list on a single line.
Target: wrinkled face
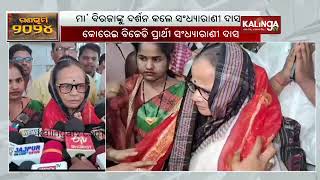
[(89, 60), (63, 49), (203, 75), (16, 84), (152, 62), (71, 86), (24, 59)]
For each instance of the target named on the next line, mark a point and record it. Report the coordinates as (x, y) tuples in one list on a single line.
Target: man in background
[(22, 55), (39, 89), (89, 55)]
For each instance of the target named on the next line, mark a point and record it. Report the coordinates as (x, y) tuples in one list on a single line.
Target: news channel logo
[(31, 26)]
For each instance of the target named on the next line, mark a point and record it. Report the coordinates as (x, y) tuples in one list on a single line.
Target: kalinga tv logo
[(261, 24)]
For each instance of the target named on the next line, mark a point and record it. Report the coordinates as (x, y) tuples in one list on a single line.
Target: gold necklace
[(151, 120)]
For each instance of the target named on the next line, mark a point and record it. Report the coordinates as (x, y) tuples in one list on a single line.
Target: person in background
[(103, 84), (116, 54), (89, 55), (39, 89), (294, 80), (22, 109), (182, 54), (131, 65), (102, 63), (299, 68), (22, 55)]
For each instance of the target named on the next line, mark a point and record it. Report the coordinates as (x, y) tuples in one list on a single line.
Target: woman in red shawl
[(230, 114), (69, 89)]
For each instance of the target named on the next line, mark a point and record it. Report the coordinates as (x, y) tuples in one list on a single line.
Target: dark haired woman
[(142, 120), (22, 109)]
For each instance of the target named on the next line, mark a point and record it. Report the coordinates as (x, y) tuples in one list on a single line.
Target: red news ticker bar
[(222, 34)]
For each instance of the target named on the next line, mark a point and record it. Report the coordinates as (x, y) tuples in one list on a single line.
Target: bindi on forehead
[(70, 81), (71, 73), (203, 73)]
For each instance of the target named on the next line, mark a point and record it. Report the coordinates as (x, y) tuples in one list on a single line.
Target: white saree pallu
[(206, 157)]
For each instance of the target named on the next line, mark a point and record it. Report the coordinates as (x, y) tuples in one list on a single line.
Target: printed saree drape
[(149, 126)]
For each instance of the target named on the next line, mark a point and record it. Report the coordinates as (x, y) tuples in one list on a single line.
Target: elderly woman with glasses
[(229, 117), (69, 88)]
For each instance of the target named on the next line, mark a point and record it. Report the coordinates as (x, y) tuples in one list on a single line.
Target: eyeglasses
[(63, 49), (204, 93), (66, 88), (21, 59)]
